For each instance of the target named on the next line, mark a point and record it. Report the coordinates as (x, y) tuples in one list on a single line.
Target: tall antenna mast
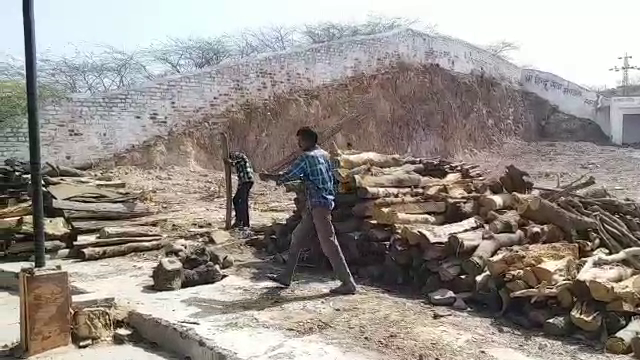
[(625, 71)]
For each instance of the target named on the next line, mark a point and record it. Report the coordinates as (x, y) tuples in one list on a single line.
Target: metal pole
[(34, 130)]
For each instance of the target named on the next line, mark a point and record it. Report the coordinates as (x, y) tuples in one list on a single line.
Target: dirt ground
[(395, 325)]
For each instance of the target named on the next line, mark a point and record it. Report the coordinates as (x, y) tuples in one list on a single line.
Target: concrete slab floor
[(105, 352), (246, 317)]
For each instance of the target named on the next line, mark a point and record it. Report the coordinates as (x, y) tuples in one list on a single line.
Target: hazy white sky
[(578, 40)]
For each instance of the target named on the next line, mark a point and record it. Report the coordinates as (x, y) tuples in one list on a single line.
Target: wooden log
[(377, 192), (29, 247), (366, 208), (508, 222), (118, 250), (391, 217), (131, 210), (84, 227), (516, 180), (526, 257), (585, 316), (54, 228), (391, 181), (21, 209), (558, 326), (131, 231), (437, 234), (167, 275), (52, 170), (201, 275), (542, 211), (10, 225), (488, 247), (86, 243), (449, 269), (496, 202), (465, 242), (620, 343), (371, 158), (556, 271)]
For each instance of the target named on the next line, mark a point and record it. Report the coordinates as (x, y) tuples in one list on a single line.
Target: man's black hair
[(308, 134)]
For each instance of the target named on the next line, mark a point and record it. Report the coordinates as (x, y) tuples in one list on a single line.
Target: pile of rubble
[(562, 259), (87, 216)]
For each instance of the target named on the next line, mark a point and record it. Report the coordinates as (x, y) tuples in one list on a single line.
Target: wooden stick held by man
[(314, 168)]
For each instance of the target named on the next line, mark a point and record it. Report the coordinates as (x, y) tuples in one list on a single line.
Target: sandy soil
[(398, 326)]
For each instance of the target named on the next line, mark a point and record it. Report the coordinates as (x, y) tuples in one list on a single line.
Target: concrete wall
[(88, 128), (621, 106), (570, 98)]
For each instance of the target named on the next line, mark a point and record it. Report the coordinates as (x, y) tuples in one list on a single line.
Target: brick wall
[(14, 141), (89, 128)]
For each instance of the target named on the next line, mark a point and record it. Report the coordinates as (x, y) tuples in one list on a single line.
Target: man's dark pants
[(241, 204)]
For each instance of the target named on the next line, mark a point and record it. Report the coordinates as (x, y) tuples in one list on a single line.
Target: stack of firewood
[(561, 259), (83, 211)]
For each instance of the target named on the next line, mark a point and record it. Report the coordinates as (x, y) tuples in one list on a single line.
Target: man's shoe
[(278, 279), (344, 289)]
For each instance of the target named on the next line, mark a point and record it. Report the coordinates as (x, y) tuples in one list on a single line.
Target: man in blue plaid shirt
[(245, 182), (314, 168)]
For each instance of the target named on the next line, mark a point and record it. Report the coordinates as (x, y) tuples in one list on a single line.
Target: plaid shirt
[(315, 169), (242, 165)]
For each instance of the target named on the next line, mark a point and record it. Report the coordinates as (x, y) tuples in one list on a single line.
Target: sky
[(578, 40)]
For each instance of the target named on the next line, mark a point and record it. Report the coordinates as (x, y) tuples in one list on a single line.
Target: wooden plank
[(119, 250), (132, 209), (85, 243), (45, 310), (84, 227), (29, 246), (130, 231), (227, 178), (102, 215), (17, 210)]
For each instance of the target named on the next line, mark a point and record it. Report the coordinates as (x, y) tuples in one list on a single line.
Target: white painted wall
[(619, 107)]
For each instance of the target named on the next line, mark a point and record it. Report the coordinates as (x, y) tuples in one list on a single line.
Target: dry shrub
[(422, 110)]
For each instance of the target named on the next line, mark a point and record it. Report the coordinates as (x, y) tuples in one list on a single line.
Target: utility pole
[(34, 131), (625, 71)]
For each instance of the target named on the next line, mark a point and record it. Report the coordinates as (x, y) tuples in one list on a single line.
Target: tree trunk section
[(83, 244), (487, 248), (119, 250), (168, 275), (131, 231), (620, 343), (542, 211), (224, 145)]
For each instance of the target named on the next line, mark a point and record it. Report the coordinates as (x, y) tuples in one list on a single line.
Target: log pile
[(82, 211), (187, 264), (563, 259)]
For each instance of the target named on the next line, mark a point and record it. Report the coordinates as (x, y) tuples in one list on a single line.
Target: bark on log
[(542, 211), (83, 244), (131, 231), (487, 248), (556, 271), (466, 242), (366, 209), (620, 343), (29, 246), (585, 316), (508, 222), (21, 209), (558, 326), (372, 159), (132, 210), (57, 171), (201, 275), (497, 202), (54, 228), (377, 192), (391, 217), (516, 180), (438, 234), (167, 275), (119, 250), (84, 227)]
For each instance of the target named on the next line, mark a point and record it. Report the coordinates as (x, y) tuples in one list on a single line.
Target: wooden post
[(45, 310), (227, 178)]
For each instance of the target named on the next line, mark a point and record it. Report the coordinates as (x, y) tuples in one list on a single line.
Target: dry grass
[(424, 110)]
